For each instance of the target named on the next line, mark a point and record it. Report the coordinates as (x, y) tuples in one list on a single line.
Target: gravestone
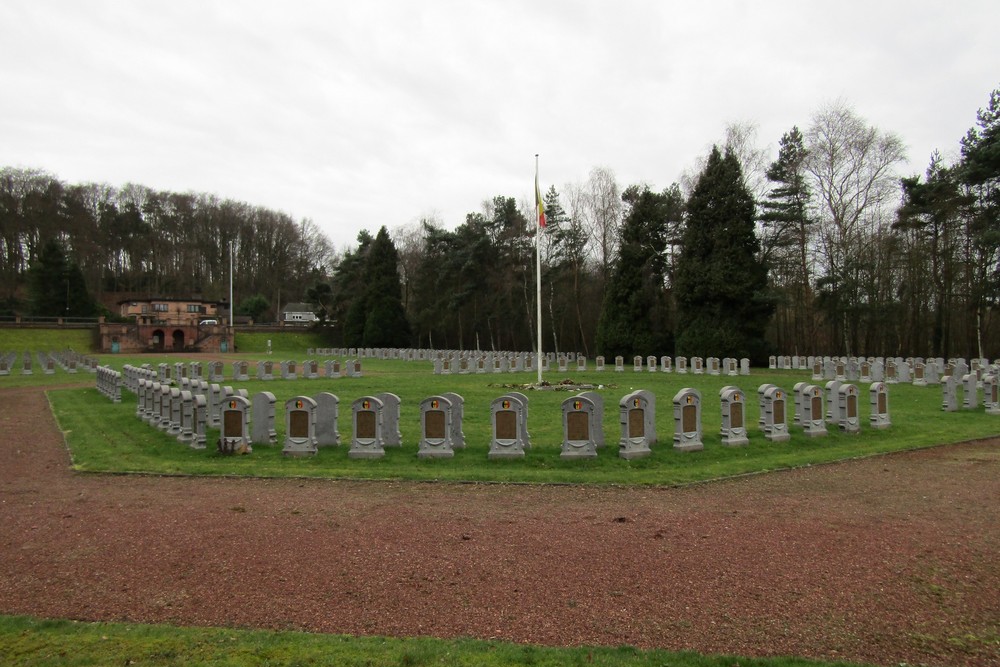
[(300, 427), (637, 363), (971, 399), (813, 413), (435, 428), (949, 393), (366, 419), (289, 370), (581, 364), (798, 392), (848, 419), (773, 408), (456, 434), (234, 436), (310, 369), (597, 428), (666, 364), (262, 422), (681, 365), (327, 413), (651, 364), (619, 364), (391, 435), (200, 419), (865, 371), (697, 365), (878, 398), (509, 422), (991, 395), (832, 393), (186, 435), (634, 442), (578, 415), (734, 427), (744, 366), (599, 364), (265, 370), (713, 366), (523, 400), (170, 412), (772, 362), (216, 371), (687, 420), (332, 367)]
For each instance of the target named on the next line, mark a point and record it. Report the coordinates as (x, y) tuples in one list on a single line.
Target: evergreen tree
[(385, 317), (57, 285), (720, 283), (787, 228), (635, 317)]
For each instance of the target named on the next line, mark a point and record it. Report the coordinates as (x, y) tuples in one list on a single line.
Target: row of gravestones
[(311, 422), (489, 362), (214, 371), (68, 360), (963, 393), (896, 371), (803, 363)]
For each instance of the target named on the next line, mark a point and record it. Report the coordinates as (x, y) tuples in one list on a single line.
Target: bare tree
[(851, 165)]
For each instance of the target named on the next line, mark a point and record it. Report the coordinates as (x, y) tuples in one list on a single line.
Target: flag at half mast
[(539, 204)]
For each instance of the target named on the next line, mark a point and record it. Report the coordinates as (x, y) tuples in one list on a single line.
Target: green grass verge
[(108, 438), (41, 643), (18, 339)]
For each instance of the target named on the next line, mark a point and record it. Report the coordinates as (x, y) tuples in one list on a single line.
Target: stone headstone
[(578, 415), (366, 440), (262, 421), (773, 411), (456, 433), (687, 420), (634, 442), (234, 436), (878, 397), (813, 413), (508, 423), (435, 428), (848, 417), (391, 435), (300, 427), (734, 427), (327, 413)]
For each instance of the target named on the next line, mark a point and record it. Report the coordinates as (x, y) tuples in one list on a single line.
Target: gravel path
[(886, 560)]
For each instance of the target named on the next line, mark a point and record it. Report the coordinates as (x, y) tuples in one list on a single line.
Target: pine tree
[(635, 318), (720, 283), (787, 226), (385, 317), (57, 285)]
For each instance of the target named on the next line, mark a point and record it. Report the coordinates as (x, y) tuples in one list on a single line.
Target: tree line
[(136, 241), (823, 248)]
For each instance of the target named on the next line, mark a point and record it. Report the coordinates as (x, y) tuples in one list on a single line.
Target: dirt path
[(887, 560)]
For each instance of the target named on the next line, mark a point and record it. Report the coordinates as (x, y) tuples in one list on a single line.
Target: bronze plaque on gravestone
[(736, 415), (505, 425), (434, 425), (365, 428), (779, 411), (881, 407), (689, 419), (268, 367), (636, 423), (232, 424), (852, 406), (918, 372), (298, 424), (993, 393), (577, 426), (817, 408), (291, 368)]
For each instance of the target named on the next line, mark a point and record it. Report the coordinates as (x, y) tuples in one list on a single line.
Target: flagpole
[(538, 272)]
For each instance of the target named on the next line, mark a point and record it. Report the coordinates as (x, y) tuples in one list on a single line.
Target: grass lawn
[(30, 642), (108, 438)]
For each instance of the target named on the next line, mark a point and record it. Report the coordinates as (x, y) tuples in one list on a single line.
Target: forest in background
[(823, 248)]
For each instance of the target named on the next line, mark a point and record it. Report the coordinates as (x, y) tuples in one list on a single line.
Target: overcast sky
[(379, 112)]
